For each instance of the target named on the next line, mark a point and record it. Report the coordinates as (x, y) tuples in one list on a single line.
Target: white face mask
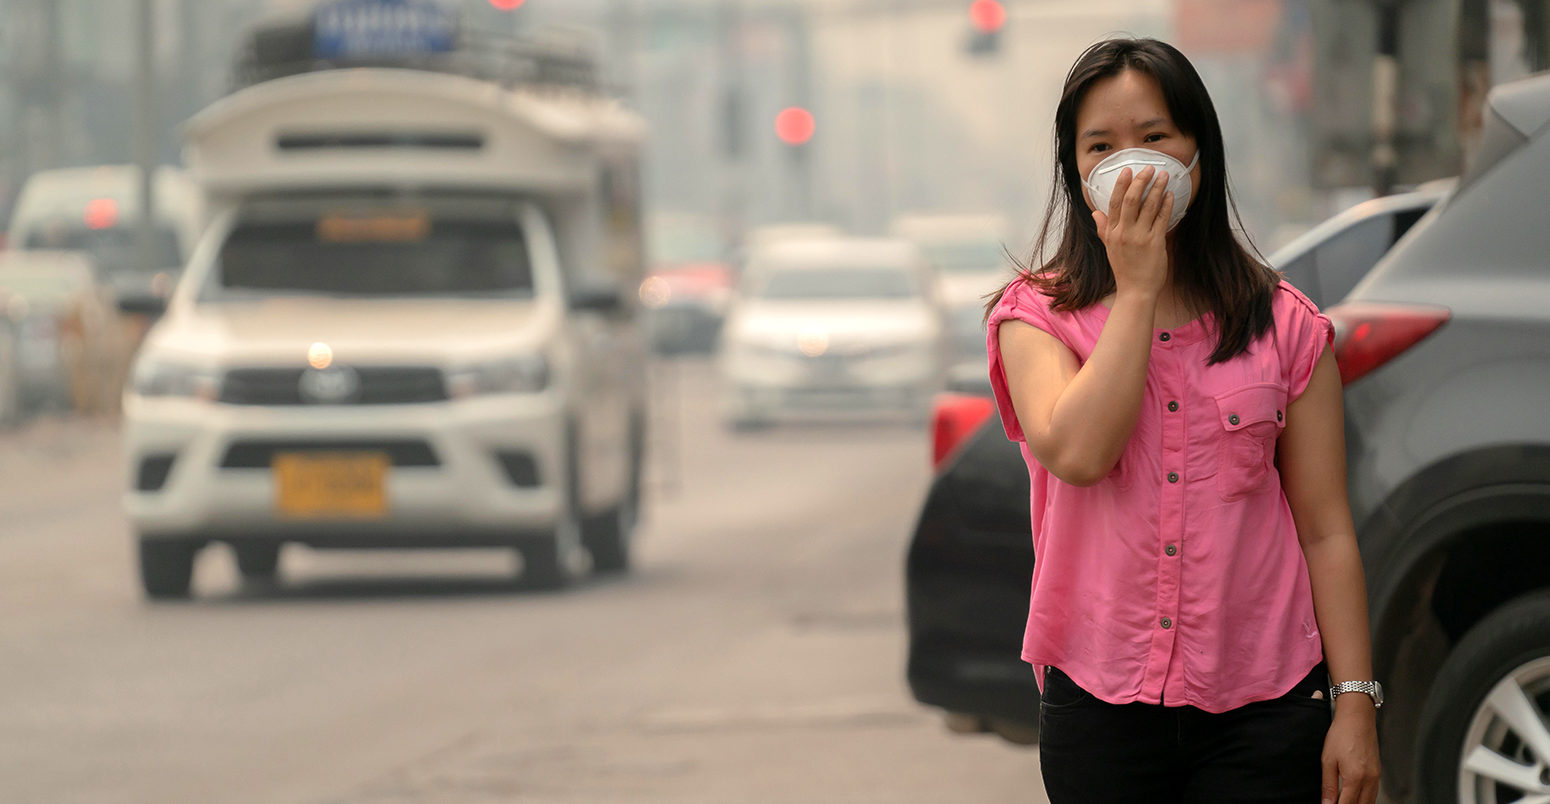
[(1100, 182)]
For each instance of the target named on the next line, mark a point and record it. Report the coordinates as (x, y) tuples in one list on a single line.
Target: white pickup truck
[(403, 328)]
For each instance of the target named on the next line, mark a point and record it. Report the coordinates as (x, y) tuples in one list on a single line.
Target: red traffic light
[(507, 5), (987, 15), (795, 126)]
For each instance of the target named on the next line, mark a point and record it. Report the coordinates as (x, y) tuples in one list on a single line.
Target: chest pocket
[(1251, 418)]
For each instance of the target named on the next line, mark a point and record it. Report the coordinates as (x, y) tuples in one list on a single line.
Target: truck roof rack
[(286, 46)]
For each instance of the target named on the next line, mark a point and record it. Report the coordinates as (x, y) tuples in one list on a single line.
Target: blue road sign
[(364, 28)]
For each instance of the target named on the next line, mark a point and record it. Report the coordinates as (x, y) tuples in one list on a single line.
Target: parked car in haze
[(689, 284), (70, 345), (832, 325), (96, 210), (1444, 350), (969, 253)]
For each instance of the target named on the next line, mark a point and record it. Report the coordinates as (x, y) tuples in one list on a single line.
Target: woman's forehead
[(1131, 99)]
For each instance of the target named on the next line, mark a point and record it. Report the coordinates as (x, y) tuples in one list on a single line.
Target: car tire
[(258, 563), (166, 568), (10, 384), (550, 564), (1503, 660), (608, 537)]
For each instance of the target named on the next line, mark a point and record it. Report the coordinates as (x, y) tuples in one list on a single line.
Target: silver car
[(832, 325)]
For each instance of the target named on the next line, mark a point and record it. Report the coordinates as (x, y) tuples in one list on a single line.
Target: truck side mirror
[(598, 299)]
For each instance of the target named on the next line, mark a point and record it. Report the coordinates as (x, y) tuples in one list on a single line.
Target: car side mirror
[(597, 299)]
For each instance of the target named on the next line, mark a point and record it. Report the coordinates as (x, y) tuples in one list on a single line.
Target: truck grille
[(379, 385)]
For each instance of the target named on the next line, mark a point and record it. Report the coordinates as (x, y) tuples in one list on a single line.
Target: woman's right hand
[(1135, 232)]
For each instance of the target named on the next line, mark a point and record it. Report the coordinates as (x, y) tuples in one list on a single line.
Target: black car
[(1444, 349)]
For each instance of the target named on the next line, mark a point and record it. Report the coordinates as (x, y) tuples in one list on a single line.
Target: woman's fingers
[(1135, 193), (1153, 201), (1102, 222), (1164, 213), (1117, 197)]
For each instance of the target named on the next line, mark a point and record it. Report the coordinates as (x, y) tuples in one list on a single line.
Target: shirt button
[(1278, 415), (1171, 550), (1173, 407), (1165, 337), (1166, 623), (1233, 419), (1173, 477)]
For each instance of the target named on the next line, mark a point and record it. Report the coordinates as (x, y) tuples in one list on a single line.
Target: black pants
[(1268, 751)]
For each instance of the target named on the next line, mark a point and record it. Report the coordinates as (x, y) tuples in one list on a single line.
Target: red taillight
[(101, 213), (956, 417), (1367, 335)]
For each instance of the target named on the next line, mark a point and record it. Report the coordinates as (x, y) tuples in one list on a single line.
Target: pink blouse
[(1177, 579)]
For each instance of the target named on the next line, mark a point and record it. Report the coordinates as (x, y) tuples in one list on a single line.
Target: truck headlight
[(522, 375), (156, 377)]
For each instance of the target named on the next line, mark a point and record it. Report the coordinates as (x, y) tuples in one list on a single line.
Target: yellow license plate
[(343, 485)]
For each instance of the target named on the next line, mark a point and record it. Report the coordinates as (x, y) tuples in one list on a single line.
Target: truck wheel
[(550, 564), (166, 568), (258, 563), (10, 384), (609, 536), (1484, 733)]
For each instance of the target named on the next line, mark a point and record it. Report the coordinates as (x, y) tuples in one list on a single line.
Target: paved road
[(755, 656)]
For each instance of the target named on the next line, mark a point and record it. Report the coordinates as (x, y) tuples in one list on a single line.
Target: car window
[(374, 251), (838, 283), (1344, 259), (1303, 274), (113, 250)]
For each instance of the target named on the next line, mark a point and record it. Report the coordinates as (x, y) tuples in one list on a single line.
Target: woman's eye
[(1100, 148), (1153, 137)]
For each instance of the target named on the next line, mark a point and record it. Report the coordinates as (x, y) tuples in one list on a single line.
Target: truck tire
[(550, 564), (166, 568), (1491, 694), (609, 536)]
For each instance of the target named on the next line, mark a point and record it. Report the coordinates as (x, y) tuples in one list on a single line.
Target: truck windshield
[(374, 250)]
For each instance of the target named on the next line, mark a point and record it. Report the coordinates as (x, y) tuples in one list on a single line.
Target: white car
[(389, 348), (969, 253), (832, 325), (96, 210)]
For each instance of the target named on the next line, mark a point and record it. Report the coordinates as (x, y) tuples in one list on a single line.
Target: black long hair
[(1213, 269)]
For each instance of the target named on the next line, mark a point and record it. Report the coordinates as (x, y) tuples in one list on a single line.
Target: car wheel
[(166, 568), (258, 562), (550, 563), (10, 389), (608, 537), (1484, 733)]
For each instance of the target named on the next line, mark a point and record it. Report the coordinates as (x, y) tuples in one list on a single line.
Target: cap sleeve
[(1302, 332), (1025, 303)]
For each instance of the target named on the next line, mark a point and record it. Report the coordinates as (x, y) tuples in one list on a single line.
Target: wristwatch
[(1372, 688)]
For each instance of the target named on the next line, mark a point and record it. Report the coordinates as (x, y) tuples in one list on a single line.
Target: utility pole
[(145, 119), (1385, 99)]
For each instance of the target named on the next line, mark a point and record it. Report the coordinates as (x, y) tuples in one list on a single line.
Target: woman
[(1198, 584)]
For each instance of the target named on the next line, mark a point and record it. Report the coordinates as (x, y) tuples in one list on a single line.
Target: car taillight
[(956, 417), (1367, 335)]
